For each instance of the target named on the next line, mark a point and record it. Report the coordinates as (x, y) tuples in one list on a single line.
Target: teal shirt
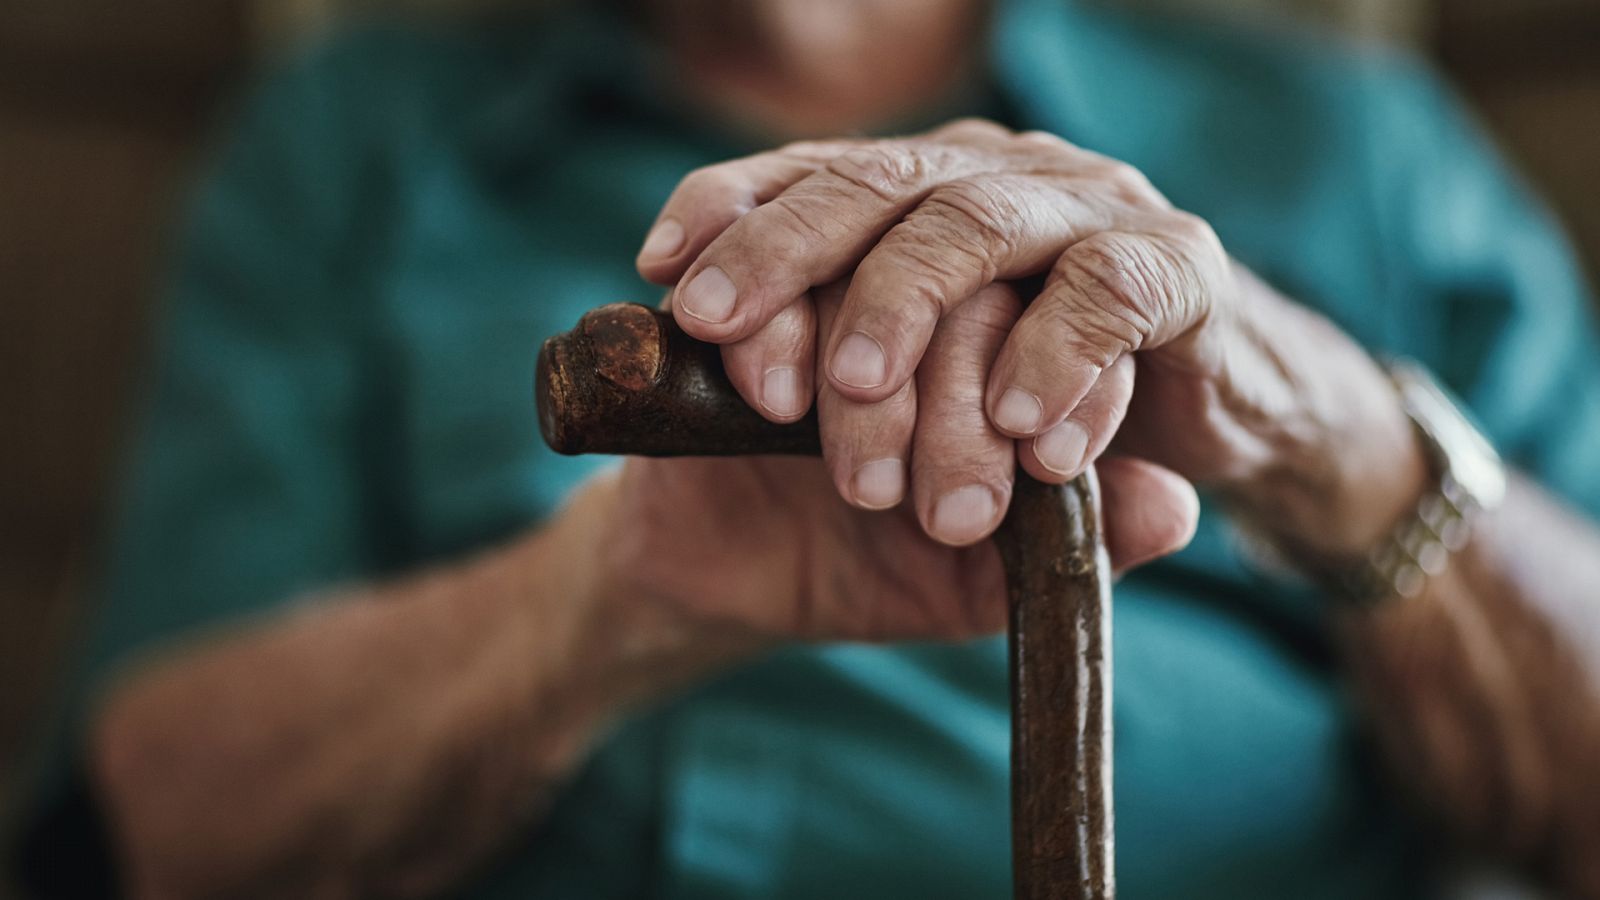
[(400, 218)]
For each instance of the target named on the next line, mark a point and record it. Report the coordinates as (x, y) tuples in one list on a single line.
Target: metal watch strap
[(1419, 548), (1470, 480)]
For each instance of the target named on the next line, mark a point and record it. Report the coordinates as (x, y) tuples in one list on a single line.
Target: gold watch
[(1469, 480)]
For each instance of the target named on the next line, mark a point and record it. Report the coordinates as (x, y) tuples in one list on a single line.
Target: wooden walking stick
[(627, 380)]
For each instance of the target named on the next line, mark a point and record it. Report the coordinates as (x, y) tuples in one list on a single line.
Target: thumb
[(1150, 511)]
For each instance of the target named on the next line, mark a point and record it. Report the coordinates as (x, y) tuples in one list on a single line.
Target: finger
[(965, 235), (711, 198), (774, 369), (1109, 295), (866, 445), (1150, 511), (961, 468), (813, 233), (1063, 452)]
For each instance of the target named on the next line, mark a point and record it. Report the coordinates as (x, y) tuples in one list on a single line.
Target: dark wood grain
[(628, 381), (1060, 593)]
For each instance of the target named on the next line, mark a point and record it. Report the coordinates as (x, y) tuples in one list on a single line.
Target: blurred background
[(105, 104)]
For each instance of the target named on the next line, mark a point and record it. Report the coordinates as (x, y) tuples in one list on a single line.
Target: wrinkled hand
[(924, 373), (725, 553), (765, 548)]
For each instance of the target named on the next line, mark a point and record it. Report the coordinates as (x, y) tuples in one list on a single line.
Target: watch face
[(1469, 457), (1479, 470)]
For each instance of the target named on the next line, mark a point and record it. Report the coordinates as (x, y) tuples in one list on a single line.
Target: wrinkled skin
[(765, 547), (879, 280)]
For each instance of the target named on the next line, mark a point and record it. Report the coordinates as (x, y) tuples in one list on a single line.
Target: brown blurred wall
[(1532, 68), (103, 104)]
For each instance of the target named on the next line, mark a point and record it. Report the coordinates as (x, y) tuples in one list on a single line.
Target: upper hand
[(922, 371)]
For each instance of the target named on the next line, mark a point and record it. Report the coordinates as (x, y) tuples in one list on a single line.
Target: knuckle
[(1106, 268), (912, 254), (1103, 335), (1130, 179), (712, 180), (1194, 231), (888, 171), (974, 126), (1118, 172), (928, 262), (957, 444), (1046, 138), (810, 151), (790, 226), (772, 247), (921, 277), (980, 215), (1123, 282), (788, 336), (1128, 182)]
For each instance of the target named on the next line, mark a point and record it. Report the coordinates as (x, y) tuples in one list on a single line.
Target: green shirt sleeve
[(1503, 311)]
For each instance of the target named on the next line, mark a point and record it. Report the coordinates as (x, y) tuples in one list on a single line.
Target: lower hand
[(704, 558)]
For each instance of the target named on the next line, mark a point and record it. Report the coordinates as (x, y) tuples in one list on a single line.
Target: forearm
[(1485, 690), (375, 742)]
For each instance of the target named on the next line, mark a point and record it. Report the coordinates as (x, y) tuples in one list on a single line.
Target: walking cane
[(627, 380)]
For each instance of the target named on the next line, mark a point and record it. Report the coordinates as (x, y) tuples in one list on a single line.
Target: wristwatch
[(1470, 480)]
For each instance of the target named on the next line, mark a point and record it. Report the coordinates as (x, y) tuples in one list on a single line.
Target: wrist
[(1329, 508), (1343, 463), (630, 647)]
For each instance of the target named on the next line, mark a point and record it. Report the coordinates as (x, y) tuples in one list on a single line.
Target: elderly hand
[(919, 227), (704, 557)]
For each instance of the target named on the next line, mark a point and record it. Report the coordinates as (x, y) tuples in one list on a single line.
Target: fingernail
[(859, 361), (1018, 411), (963, 515), (709, 296), (780, 392), (1061, 449), (879, 484), (663, 240)]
